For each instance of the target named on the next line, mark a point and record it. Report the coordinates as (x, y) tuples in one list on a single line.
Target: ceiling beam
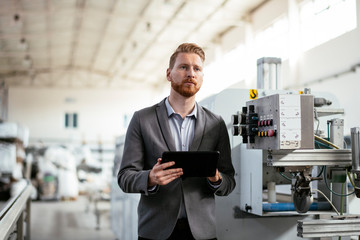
[(191, 31), (48, 37), (129, 35), (102, 34), (80, 7), (180, 7), (206, 20), (24, 73)]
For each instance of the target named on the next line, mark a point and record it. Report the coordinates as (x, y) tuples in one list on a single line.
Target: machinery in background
[(123, 206), (292, 171), (281, 122), (282, 126), (291, 165), (14, 168)]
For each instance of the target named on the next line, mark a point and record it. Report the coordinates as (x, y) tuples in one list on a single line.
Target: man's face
[(186, 76)]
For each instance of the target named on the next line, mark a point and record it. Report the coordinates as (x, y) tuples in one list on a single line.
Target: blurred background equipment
[(123, 206)]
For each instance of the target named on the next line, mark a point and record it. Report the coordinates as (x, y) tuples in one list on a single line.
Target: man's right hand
[(159, 175)]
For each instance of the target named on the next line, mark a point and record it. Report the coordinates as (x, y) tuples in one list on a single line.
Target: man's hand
[(159, 176), (216, 179)]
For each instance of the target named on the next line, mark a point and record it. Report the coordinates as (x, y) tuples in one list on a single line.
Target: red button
[(271, 133)]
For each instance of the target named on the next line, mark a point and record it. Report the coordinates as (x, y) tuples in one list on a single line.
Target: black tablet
[(193, 163)]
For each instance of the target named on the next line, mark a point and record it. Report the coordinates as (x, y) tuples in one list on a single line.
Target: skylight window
[(323, 20)]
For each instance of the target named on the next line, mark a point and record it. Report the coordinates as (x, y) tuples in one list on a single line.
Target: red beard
[(186, 90)]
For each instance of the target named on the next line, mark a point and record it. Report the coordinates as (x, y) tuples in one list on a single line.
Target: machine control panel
[(280, 121)]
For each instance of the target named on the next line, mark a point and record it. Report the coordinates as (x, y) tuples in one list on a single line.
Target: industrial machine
[(294, 174), (291, 165)]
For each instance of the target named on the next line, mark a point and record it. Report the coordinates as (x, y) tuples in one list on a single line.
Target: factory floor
[(71, 219)]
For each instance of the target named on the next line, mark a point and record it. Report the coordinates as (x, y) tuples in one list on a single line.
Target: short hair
[(186, 48)]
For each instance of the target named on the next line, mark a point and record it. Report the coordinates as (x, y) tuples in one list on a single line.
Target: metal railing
[(15, 216)]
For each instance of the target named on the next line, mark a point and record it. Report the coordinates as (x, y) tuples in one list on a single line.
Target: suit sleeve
[(131, 177), (225, 165)]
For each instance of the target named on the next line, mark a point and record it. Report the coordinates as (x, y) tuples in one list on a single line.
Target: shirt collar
[(170, 110)]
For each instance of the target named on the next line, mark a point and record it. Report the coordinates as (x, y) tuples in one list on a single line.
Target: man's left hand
[(217, 178)]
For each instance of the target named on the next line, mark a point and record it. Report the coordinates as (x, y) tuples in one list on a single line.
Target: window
[(323, 20), (273, 41), (71, 120)]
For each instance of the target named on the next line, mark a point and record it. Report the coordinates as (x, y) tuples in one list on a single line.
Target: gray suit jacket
[(148, 136)]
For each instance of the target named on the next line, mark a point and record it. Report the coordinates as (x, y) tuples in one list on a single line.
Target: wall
[(100, 112)]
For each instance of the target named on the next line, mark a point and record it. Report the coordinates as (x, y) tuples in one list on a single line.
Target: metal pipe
[(280, 207), (268, 73), (355, 149)]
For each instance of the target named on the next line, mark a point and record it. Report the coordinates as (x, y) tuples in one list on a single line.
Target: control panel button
[(271, 133), (235, 130), (235, 119)]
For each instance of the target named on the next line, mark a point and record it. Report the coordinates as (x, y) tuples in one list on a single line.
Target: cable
[(317, 119), (337, 212), (322, 169), (326, 141), (352, 181), (284, 176), (327, 186), (322, 144)]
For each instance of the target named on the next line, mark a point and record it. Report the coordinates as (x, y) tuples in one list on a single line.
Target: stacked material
[(14, 132), (13, 139)]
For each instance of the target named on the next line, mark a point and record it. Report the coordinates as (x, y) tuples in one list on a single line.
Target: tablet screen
[(193, 163)]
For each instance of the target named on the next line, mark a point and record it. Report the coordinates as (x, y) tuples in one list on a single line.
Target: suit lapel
[(199, 129), (163, 121)]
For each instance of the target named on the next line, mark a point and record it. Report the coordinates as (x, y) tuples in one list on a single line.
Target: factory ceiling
[(105, 43)]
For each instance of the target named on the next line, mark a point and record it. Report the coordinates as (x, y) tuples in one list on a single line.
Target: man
[(171, 207)]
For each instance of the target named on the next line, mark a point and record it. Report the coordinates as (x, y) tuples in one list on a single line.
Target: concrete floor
[(73, 220)]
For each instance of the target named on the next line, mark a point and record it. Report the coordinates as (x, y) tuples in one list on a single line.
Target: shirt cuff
[(215, 184), (152, 189)]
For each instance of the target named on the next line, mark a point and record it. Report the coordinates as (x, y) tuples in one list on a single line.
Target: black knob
[(244, 110), (243, 119), (251, 108), (235, 119), (243, 131), (235, 130)]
